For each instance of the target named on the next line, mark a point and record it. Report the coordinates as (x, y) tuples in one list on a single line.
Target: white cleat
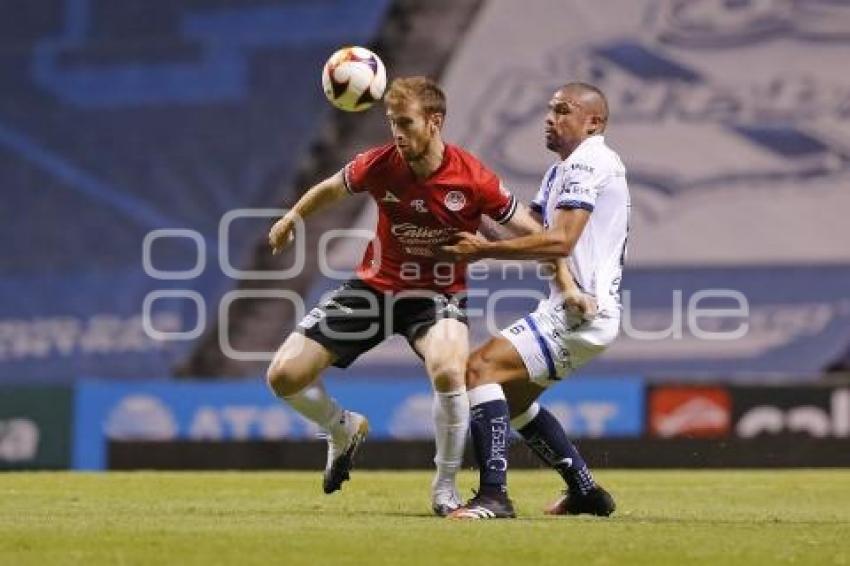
[(341, 454), (445, 498)]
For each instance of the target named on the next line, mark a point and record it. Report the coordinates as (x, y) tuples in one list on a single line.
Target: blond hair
[(420, 89)]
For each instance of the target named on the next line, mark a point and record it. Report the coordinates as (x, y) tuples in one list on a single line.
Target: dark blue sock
[(490, 428), (546, 438)]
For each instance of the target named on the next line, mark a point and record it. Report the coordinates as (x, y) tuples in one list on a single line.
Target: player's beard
[(551, 140), (415, 157)]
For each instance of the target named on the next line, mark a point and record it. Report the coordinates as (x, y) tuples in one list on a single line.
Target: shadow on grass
[(622, 519)]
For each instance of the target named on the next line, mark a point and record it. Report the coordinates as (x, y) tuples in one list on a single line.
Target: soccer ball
[(354, 79)]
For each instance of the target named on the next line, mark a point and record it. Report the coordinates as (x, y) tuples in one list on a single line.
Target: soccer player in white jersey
[(584, 204)]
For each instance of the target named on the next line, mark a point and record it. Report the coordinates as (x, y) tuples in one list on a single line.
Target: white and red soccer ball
[(354, 78)]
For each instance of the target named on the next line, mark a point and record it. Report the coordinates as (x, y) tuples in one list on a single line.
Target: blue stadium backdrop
[(119, 118)]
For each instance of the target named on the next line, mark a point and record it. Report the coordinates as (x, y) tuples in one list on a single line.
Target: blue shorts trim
[(550, 362)]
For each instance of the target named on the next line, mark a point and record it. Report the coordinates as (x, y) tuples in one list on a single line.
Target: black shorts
[(355, 318)]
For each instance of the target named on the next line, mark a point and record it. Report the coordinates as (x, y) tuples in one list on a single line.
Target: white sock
[(485, 393), (314, 404), (451, 421)]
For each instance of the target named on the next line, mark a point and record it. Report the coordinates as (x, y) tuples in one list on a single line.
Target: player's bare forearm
[(492, 230), (320, 196), (576, 300), (472, 247), (556, 242), (544, 246), (564, 280), (522, 223)]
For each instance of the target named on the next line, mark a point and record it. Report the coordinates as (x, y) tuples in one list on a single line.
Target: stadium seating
[(118, 118)]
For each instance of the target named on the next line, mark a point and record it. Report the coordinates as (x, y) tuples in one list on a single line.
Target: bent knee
[(277, 378), (447, 378), (286, 380), (477, 369)]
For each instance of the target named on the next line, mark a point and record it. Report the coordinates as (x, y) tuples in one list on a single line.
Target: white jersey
[(593, 178)]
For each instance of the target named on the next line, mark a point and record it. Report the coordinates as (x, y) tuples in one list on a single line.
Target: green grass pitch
[(664, 517)]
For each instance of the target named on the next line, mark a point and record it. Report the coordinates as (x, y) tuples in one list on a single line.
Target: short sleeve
[(498, 203), (538, 203), (579, 185), (358, 172)]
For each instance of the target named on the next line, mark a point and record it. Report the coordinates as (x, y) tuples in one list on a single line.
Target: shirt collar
[(595, 139)]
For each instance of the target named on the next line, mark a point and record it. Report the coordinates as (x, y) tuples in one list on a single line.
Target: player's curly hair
[(422, 89)]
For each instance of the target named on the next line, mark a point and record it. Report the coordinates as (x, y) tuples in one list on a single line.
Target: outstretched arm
[(551, 247), (556, 242), (523, 223), (319, 196)]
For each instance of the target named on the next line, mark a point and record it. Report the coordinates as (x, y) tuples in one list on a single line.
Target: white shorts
[(552, 343)]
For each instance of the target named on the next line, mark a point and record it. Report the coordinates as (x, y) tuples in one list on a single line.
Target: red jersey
[(417, 215)]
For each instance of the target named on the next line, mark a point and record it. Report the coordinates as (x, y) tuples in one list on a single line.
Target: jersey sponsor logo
[(576, 189), (419, 250), (409, 231), (455, 200), (390, 197), (419, 206), (581, 167)]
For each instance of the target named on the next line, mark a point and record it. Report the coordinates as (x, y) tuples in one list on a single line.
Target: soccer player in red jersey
[(427, 191)]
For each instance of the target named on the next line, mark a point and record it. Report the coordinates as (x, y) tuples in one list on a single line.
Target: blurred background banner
[(35, 427), (398, 409), (749, 412)]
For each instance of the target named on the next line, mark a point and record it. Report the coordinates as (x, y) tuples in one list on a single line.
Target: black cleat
[(595, 502), (492, 506), (341, 460)]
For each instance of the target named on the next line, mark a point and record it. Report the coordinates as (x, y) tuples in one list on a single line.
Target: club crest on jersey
[(419, 206), (455, 200), (389, 197)]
